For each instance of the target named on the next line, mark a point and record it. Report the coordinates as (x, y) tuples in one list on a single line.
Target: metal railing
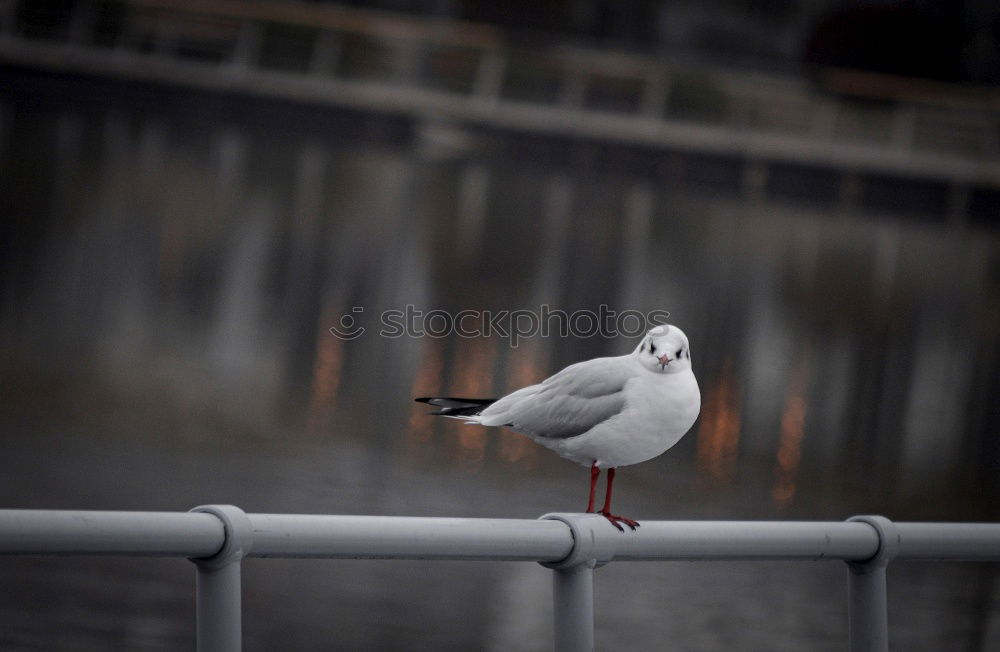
[(217, 537), (470, 73), (454, 80)]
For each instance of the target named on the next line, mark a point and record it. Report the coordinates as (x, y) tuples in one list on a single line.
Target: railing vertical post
[(218, 608), (573, 608), (866, 590), (869, 625), (573, 579), (218, 583)]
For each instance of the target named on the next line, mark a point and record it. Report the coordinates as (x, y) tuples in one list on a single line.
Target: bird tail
[(459, 408)]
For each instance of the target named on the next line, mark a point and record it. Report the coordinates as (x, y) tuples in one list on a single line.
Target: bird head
[(665, 349)]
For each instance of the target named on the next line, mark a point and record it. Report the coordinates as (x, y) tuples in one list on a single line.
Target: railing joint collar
[(238, 536), (593, 544), (888, 543)]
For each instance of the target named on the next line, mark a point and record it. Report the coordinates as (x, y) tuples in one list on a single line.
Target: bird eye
[(677, 354)]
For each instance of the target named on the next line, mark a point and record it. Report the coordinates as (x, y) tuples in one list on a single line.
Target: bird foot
[(618, 520)]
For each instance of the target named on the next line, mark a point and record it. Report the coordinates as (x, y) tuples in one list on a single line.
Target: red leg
[(607, 492), (594, 474), (606, 510)]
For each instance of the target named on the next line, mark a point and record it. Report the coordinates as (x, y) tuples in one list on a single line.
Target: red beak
[(664, 361)]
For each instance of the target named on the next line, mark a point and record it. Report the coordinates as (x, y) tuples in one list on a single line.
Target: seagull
[(602, 413)]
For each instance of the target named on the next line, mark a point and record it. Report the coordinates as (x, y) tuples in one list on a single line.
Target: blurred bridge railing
[(435, 69), (217, 537)]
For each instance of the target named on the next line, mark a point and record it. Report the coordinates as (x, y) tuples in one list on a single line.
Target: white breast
[(659, 410)]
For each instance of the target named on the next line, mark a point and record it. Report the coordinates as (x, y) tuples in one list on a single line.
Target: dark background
[(175, 252)]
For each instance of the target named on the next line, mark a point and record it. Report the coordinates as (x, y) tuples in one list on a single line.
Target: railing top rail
[(43, 532), (408, 537), (746, 115), (454, 32), (64, 532), (369, 22)]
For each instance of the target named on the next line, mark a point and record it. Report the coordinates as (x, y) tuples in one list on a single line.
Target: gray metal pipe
[(403, 537), (867, 602), (63, 532), (573, 608), (218, 606), (744, 540), (867, 608), (218, 537), (949, 541), (219, 590), (53, 532)]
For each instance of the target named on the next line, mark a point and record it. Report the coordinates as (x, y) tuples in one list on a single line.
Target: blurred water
[(171, 267)]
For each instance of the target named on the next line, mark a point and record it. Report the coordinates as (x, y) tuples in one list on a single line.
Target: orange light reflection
[(528, 365), (719, 428), (426, 382), (474, 359), (789, 455), (326, 374)]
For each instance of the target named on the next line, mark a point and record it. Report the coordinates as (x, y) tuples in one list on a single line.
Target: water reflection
[(427, 380), (232, 252), (719, 426), (473, 364), (527, 365), (793, 418), (326, 373), (171, 274)]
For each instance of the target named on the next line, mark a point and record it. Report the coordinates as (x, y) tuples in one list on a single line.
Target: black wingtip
[(455, 406)]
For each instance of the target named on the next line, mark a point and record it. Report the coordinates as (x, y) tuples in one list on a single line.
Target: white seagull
[(602, 413)]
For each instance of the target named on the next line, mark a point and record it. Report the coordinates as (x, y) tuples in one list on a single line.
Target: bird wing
[(567, 404)]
